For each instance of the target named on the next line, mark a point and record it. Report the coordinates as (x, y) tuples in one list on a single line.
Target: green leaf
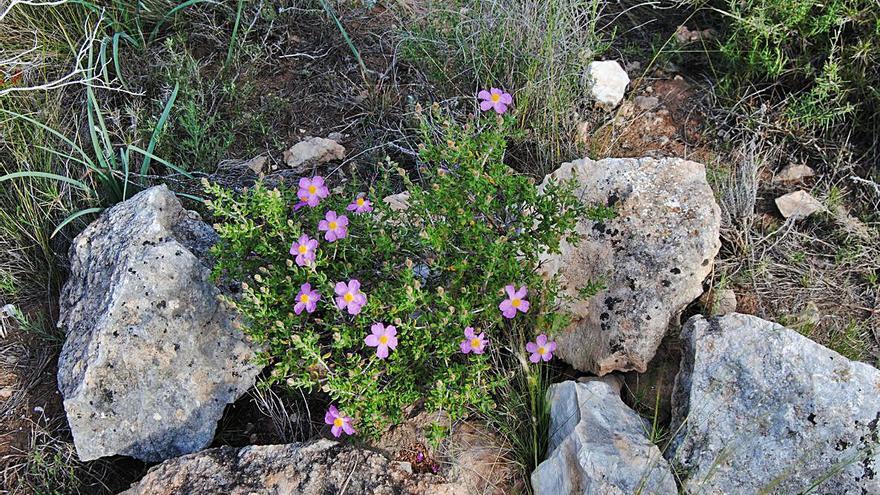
[(74, 216), (157, 131), (47, 175)]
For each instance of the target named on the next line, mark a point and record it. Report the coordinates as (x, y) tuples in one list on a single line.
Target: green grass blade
[(163, 162), (348, 41), (170, 14), (190, 196), (117, 56), (74, 146), (102, 58), (73, 217), (31, 174), (157, 131), (72, 158), (232, 41)]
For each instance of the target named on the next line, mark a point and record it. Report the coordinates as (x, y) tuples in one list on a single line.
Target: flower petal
[(341, 288), (465, 346), (535, 357), (484, 95), (532, 347), (382, 352), (522, 292), (523, 306), (506, 98), (347, 428), (541, 340), (510, 290), (336, 431), (486, 105)]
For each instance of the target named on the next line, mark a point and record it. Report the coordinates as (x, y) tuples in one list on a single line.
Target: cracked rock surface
[(151, 356), (651, 256), (762, 409)]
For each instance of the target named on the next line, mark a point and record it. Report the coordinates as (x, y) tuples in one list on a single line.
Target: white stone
[(798, 204), (313, 150), (607, 82)]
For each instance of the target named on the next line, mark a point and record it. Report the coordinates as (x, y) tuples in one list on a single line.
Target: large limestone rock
[(319, 468), (762, 409), (652, 257), (598, 445), (151, 357)]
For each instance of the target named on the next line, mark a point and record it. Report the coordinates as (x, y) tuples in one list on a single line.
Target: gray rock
[(151, 357), (313, 150), (646, 103), (793, 173), (762, 409), (652, 257), (294, 469), (798, 204), (607, 83), (718, 301), (598, 445)]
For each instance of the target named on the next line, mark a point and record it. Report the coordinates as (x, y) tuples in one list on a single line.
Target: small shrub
[(472, 227), (825, 53)]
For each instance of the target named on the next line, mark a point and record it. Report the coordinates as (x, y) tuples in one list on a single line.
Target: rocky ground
[(731, 348)]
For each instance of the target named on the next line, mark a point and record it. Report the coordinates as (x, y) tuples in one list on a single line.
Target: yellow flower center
[(542, 351), (496, 98), (383, 340), (333, 225), (304, 298), (338, 422), (303, 249), (360, 201), (312, 189), (349, 297), (515, 303), (475, 342)]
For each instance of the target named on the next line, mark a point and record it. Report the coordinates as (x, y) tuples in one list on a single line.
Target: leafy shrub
[(471, 228), (828, 52)]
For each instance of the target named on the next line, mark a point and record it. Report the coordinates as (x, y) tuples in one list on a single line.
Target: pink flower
[(541, 349), (382, 338), (341, 423), (515, 301), (304, 250), (473, 343), (495, 99), (350, 297), (335, 227), (312, 191), (307, 299), (360, 205)]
